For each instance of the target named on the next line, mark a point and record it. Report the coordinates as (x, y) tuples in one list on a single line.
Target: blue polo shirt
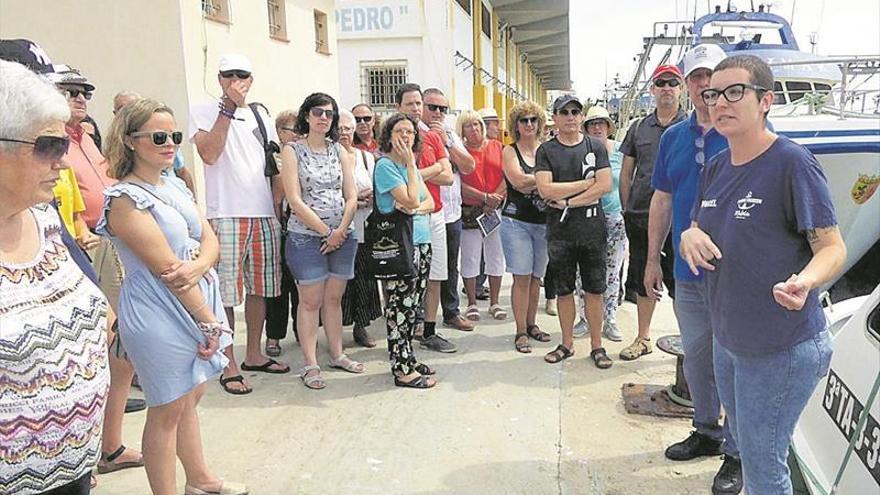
[(677, 172)]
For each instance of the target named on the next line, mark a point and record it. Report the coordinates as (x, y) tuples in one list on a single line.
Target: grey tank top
[(320, 182)]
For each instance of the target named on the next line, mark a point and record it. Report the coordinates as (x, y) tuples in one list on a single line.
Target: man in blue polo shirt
[(684, 149)]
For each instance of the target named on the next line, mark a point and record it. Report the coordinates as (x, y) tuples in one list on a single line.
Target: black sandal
[(237, 378), (421, 382), (521, 343), (600, 358), (535, 332), (561, 353), (266, 367), (424, 369)]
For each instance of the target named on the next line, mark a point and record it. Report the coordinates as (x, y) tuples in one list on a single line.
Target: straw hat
[(599, 112)]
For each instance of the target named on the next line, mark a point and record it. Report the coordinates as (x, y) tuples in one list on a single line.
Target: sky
[(844, 27)]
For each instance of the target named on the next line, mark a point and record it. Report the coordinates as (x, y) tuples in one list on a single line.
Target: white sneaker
[(550, 307), (581, 329), (611, 332)]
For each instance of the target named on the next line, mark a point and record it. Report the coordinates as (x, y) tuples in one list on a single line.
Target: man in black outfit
[(572, 173)]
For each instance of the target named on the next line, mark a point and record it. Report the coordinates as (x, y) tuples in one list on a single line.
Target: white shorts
[(439, 263), (473, 245)]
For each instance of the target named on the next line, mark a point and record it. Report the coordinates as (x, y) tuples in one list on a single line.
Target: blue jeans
[(449, 287), (692, 313), (525, 247), (764, 397), (309, 266)]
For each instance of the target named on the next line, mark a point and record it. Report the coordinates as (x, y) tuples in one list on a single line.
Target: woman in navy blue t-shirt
[(764, 228)]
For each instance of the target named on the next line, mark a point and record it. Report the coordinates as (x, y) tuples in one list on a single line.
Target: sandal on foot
[(521, 343), (273, 349), (636, 350), (600, 358), (345, 363), (224, 382), (266, 367), (473, 313), (311, 380), (226, 488), (424, 369), (534, 331), (106, 464), (362, 337), (497, 312), (421, 382), (561, 353)]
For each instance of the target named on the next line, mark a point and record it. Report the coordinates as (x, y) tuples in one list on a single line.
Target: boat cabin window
[(778, 95), (797, 89)]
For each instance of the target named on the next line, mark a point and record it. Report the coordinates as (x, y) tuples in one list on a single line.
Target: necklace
[(144, 180)]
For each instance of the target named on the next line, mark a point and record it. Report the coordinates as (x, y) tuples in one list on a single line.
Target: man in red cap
[(639, 150)]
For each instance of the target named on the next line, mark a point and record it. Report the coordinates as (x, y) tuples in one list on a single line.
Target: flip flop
[(236, 378), (266, 367)]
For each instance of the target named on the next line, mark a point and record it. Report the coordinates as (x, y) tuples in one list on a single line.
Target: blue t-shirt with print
[(677, 172), (757, 214), (611, 199), (389, 175)]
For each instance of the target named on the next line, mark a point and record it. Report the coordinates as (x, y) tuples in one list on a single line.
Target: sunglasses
[(573, 111), (318, 112), (732, 93), (528, 120), (161, 137), (235, 73), (46, 148), (662, 83), (73, 93), (437, 108), (366, 119)]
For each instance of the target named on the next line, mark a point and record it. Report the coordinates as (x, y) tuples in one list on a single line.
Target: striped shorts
[(250, 257)]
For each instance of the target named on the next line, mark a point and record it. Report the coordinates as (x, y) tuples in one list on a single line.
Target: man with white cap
[(240, 208), (684, 149)]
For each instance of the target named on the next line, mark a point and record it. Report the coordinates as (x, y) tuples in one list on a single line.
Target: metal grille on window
[(275, 27), (379, 83)]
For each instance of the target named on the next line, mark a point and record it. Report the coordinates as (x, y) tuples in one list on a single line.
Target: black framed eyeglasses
[(366, 119), (47, 148), (319, 112), (73, 93), (566, 111), (159, 138), (732, 93), (437, 108), (528, 120), (241, 74), (662, 83)]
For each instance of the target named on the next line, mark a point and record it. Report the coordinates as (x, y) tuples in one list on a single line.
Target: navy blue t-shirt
[(757, 214)]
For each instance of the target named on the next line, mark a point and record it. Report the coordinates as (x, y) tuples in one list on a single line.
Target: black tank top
[(518, 205)]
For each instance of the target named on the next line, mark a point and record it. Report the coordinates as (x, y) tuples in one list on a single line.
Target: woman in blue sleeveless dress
[(171, 318)]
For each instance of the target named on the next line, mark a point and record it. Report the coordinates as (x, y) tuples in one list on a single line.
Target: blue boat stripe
[(838, 133), (840, 148)]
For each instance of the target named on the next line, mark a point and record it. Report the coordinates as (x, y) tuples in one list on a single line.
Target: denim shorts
[(525, 247), (309, 266)]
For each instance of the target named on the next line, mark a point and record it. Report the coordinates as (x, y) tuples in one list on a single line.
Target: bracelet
[(226, 113), (214, 329)]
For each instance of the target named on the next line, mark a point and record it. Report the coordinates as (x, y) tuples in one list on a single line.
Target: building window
[(466, 5), (322, 44), (216, 10), (486, 21), (277, 20), (380, 80)]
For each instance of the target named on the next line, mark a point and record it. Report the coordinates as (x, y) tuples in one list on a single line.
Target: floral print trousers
[(403, 310), (613, 261)]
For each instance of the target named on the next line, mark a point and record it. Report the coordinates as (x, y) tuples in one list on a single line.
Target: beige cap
[(488, 113), (599, 112)]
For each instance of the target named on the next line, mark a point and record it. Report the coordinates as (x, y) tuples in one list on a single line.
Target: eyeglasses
[(366, 119), (319, 112), (46, 148), (700, 156), (73, 93), (528, 120), (161, 137), (732, 93), (437, 108), (662, 83), (288, 129), (565, 111), (596, 123), (235, 73)]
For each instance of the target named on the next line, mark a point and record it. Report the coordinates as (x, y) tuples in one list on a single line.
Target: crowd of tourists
[(324, 217)]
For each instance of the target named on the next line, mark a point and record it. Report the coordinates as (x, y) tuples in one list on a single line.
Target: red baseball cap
[(666, 69)]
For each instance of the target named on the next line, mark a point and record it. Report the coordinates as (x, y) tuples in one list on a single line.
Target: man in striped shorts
[(240, 209)]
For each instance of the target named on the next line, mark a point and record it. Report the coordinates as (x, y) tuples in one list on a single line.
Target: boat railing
[(845, 98)]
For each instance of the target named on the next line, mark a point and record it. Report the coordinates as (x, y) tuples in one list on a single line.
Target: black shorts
[(588, 254), (637, 235)]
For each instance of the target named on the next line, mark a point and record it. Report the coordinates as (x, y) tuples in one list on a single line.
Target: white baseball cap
[(234, 61), (488, 113), (705, 56)]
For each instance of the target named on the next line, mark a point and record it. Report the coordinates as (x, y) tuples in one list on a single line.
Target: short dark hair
[(388, 126), (316, 100), (404, 89), (760, 74)]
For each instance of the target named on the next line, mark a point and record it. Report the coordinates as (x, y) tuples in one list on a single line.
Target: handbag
[(469, 215), (388, 238), (269, 147)]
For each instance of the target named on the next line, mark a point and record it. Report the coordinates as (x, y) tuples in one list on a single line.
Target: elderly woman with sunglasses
[(172, 320), (318, 177), (764, 229), (49, 311)]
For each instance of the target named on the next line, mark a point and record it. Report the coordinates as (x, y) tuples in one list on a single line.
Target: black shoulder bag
[(269, 147), (389, 243)]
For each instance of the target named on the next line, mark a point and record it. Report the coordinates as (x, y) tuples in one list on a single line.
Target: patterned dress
[(53, 367)]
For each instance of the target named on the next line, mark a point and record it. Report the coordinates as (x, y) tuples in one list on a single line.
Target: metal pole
[(844, 69)]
